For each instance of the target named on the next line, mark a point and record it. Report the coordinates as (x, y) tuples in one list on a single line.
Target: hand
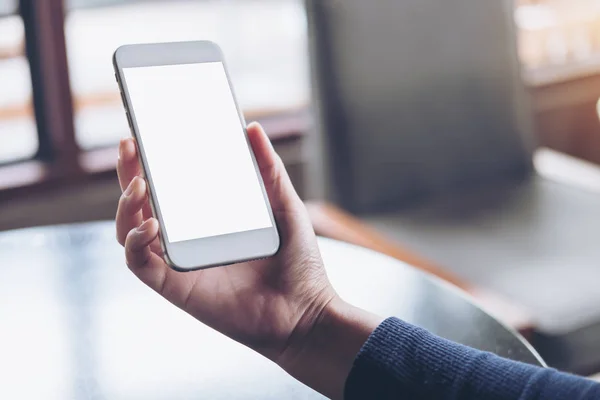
[(262, 304), (273, 305)]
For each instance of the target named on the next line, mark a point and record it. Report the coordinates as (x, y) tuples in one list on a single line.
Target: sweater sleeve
[(401, 361)]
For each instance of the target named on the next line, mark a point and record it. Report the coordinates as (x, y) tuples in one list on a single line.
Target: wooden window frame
[(60, 161)]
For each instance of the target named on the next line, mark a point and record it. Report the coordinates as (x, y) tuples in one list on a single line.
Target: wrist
[(323, 351)]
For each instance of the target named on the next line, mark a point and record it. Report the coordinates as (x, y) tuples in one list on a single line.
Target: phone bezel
[(210, 251)]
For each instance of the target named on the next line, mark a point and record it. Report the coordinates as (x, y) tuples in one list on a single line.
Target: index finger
[(128, 166)]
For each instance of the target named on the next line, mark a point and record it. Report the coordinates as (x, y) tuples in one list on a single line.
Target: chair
[(425, 135)]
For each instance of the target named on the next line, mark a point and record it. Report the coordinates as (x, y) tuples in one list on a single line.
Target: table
[(76, 324)]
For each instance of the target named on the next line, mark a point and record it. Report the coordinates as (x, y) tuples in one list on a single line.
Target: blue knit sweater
[(401, 361)]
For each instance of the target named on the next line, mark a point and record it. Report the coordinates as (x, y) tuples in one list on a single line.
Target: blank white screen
[(204, 178)]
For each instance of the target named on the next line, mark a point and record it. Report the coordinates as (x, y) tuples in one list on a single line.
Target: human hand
[(268, 304), (283, 307)]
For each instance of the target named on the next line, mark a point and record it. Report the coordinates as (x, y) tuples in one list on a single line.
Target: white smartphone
[(204, 184)]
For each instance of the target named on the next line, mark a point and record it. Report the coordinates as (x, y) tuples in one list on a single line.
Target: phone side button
[(129, 120)]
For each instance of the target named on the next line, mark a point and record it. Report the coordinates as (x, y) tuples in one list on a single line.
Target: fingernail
[(131, 187), (145, 226)]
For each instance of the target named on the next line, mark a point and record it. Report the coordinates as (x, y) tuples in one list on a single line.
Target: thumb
[(281, 192)]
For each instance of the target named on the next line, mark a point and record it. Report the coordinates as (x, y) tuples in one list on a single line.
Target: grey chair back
[(415, 98)]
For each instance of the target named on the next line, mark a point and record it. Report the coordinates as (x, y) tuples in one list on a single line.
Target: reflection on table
[(77, 324)]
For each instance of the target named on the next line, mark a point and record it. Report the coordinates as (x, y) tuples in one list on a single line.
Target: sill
[(280, 126), (27, 177), (24, 173), (559, 74)]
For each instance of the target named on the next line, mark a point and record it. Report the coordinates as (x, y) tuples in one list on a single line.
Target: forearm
[(324, 360), (403, 361)]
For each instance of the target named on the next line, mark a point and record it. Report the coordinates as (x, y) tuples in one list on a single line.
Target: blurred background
[(61, 118), (61, 53), (265, 42)]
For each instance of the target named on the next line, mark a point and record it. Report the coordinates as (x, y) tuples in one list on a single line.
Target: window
[(558, 37), (264, 42), (60, 111), (559, 45), (18, 136)]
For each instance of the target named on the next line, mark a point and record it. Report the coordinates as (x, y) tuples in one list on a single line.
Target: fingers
[(128, 166), (137, 244), (266, 157), (129, 213), (281, 192), (151, 268), (140, 238)]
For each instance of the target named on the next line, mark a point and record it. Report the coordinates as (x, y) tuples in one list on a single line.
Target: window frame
[(60, 161)]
